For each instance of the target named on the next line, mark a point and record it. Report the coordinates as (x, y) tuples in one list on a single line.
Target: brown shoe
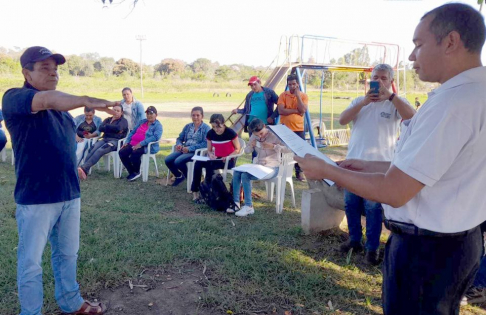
[(89, 308), (300, 177)]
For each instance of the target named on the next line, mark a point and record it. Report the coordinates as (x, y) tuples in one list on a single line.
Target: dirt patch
[(177, 291)]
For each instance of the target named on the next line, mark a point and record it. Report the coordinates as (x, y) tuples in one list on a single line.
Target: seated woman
[(86, 128), (221, 142), (268, 147), (132, 108), (192, 137), (148, 130), (114, 129)]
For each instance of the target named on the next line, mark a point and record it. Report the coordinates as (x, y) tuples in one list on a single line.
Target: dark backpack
[(215, 193)]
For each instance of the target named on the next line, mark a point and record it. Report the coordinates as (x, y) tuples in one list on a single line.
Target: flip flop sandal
[(89, 308)]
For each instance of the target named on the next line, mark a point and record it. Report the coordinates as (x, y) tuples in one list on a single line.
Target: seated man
[(87, 126)]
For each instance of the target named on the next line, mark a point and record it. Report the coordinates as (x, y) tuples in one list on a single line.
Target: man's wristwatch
[(391, 97)]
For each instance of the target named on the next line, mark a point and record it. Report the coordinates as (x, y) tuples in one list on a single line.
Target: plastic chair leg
[(145, 167), (289, 180), (156, 167)]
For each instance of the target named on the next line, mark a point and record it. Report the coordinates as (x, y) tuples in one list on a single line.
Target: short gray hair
[(383, 67)]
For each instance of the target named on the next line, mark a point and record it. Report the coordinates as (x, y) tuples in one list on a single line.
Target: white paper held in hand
[(299, 146)]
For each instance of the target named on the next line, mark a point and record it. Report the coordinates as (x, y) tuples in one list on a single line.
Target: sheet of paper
[(259, 171), (299, 146), (200, 158)]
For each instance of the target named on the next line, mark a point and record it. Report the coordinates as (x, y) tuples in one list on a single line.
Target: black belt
[(410, 229)]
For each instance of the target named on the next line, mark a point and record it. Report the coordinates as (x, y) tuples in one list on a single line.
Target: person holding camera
[(192, 137), (376, 118)]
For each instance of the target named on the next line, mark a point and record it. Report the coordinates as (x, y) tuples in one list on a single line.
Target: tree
[(170, 66), (126, 65), (204, 66), (105, 65)]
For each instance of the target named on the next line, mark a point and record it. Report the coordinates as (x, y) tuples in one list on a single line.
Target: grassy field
[(262, 264)]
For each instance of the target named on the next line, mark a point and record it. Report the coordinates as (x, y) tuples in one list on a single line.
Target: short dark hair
[(88, 110), (291, 78), (127, 89), (30, 66), (462, 18), (217, 119), (256, 125), (198, 108)]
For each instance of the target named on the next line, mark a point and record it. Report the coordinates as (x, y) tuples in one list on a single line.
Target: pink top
[(139, 135)]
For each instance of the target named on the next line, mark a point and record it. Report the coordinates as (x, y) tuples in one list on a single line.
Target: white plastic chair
[(144, 167), (227, 171), (283, 177), (114, 158), (190, 168)]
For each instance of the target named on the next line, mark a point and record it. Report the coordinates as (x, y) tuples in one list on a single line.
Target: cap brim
[(60, 60), (250, 83)]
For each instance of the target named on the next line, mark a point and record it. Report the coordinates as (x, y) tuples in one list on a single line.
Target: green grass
[(258, 262)]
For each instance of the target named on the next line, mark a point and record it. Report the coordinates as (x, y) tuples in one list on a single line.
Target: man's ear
[(26, 74), (452, 42)]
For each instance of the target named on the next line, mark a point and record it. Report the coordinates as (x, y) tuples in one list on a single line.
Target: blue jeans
[(244, 178), (101, 148), (3, 140), (355, 206), (58, 223), (176, 163)]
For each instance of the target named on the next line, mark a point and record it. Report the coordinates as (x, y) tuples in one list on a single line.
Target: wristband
[(391, 97)]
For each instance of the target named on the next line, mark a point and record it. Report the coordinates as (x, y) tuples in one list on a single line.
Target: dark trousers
[(3, 139), (480, 280), (176, 163), (131, 159), (210, 167), (297, 167), (100, 148), (428, 275)]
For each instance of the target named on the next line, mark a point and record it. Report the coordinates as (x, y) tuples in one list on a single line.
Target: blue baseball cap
[(38, 53)]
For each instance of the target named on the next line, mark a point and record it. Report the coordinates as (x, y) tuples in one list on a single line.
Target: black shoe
[(133, 177), (474, 295), (348, 245), (372, 257), (178, 180)]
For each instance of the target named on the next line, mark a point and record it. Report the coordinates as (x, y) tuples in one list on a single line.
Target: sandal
[(90, 308)]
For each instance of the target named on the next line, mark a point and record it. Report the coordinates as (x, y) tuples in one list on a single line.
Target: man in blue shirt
[(47, 190)]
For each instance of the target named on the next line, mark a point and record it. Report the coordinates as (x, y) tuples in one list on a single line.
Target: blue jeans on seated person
[(355, 206), (176, 163), (245, 178), (3, 140), (58, 223)]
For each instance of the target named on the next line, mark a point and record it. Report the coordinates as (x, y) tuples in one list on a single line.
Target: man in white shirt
[(376, 118), (433, 189)]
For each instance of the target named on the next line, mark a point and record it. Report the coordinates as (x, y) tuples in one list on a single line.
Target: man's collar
[(472, 75), (27, 85)]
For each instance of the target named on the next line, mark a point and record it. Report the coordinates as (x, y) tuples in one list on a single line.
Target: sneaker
[(233, 208), (246, 210), (348, 245), (178, 180), (474, 295), (133, 177), (300, 177), (195, 195), (372, 257)]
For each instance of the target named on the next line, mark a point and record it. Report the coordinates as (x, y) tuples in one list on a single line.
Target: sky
[(226, 31)]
